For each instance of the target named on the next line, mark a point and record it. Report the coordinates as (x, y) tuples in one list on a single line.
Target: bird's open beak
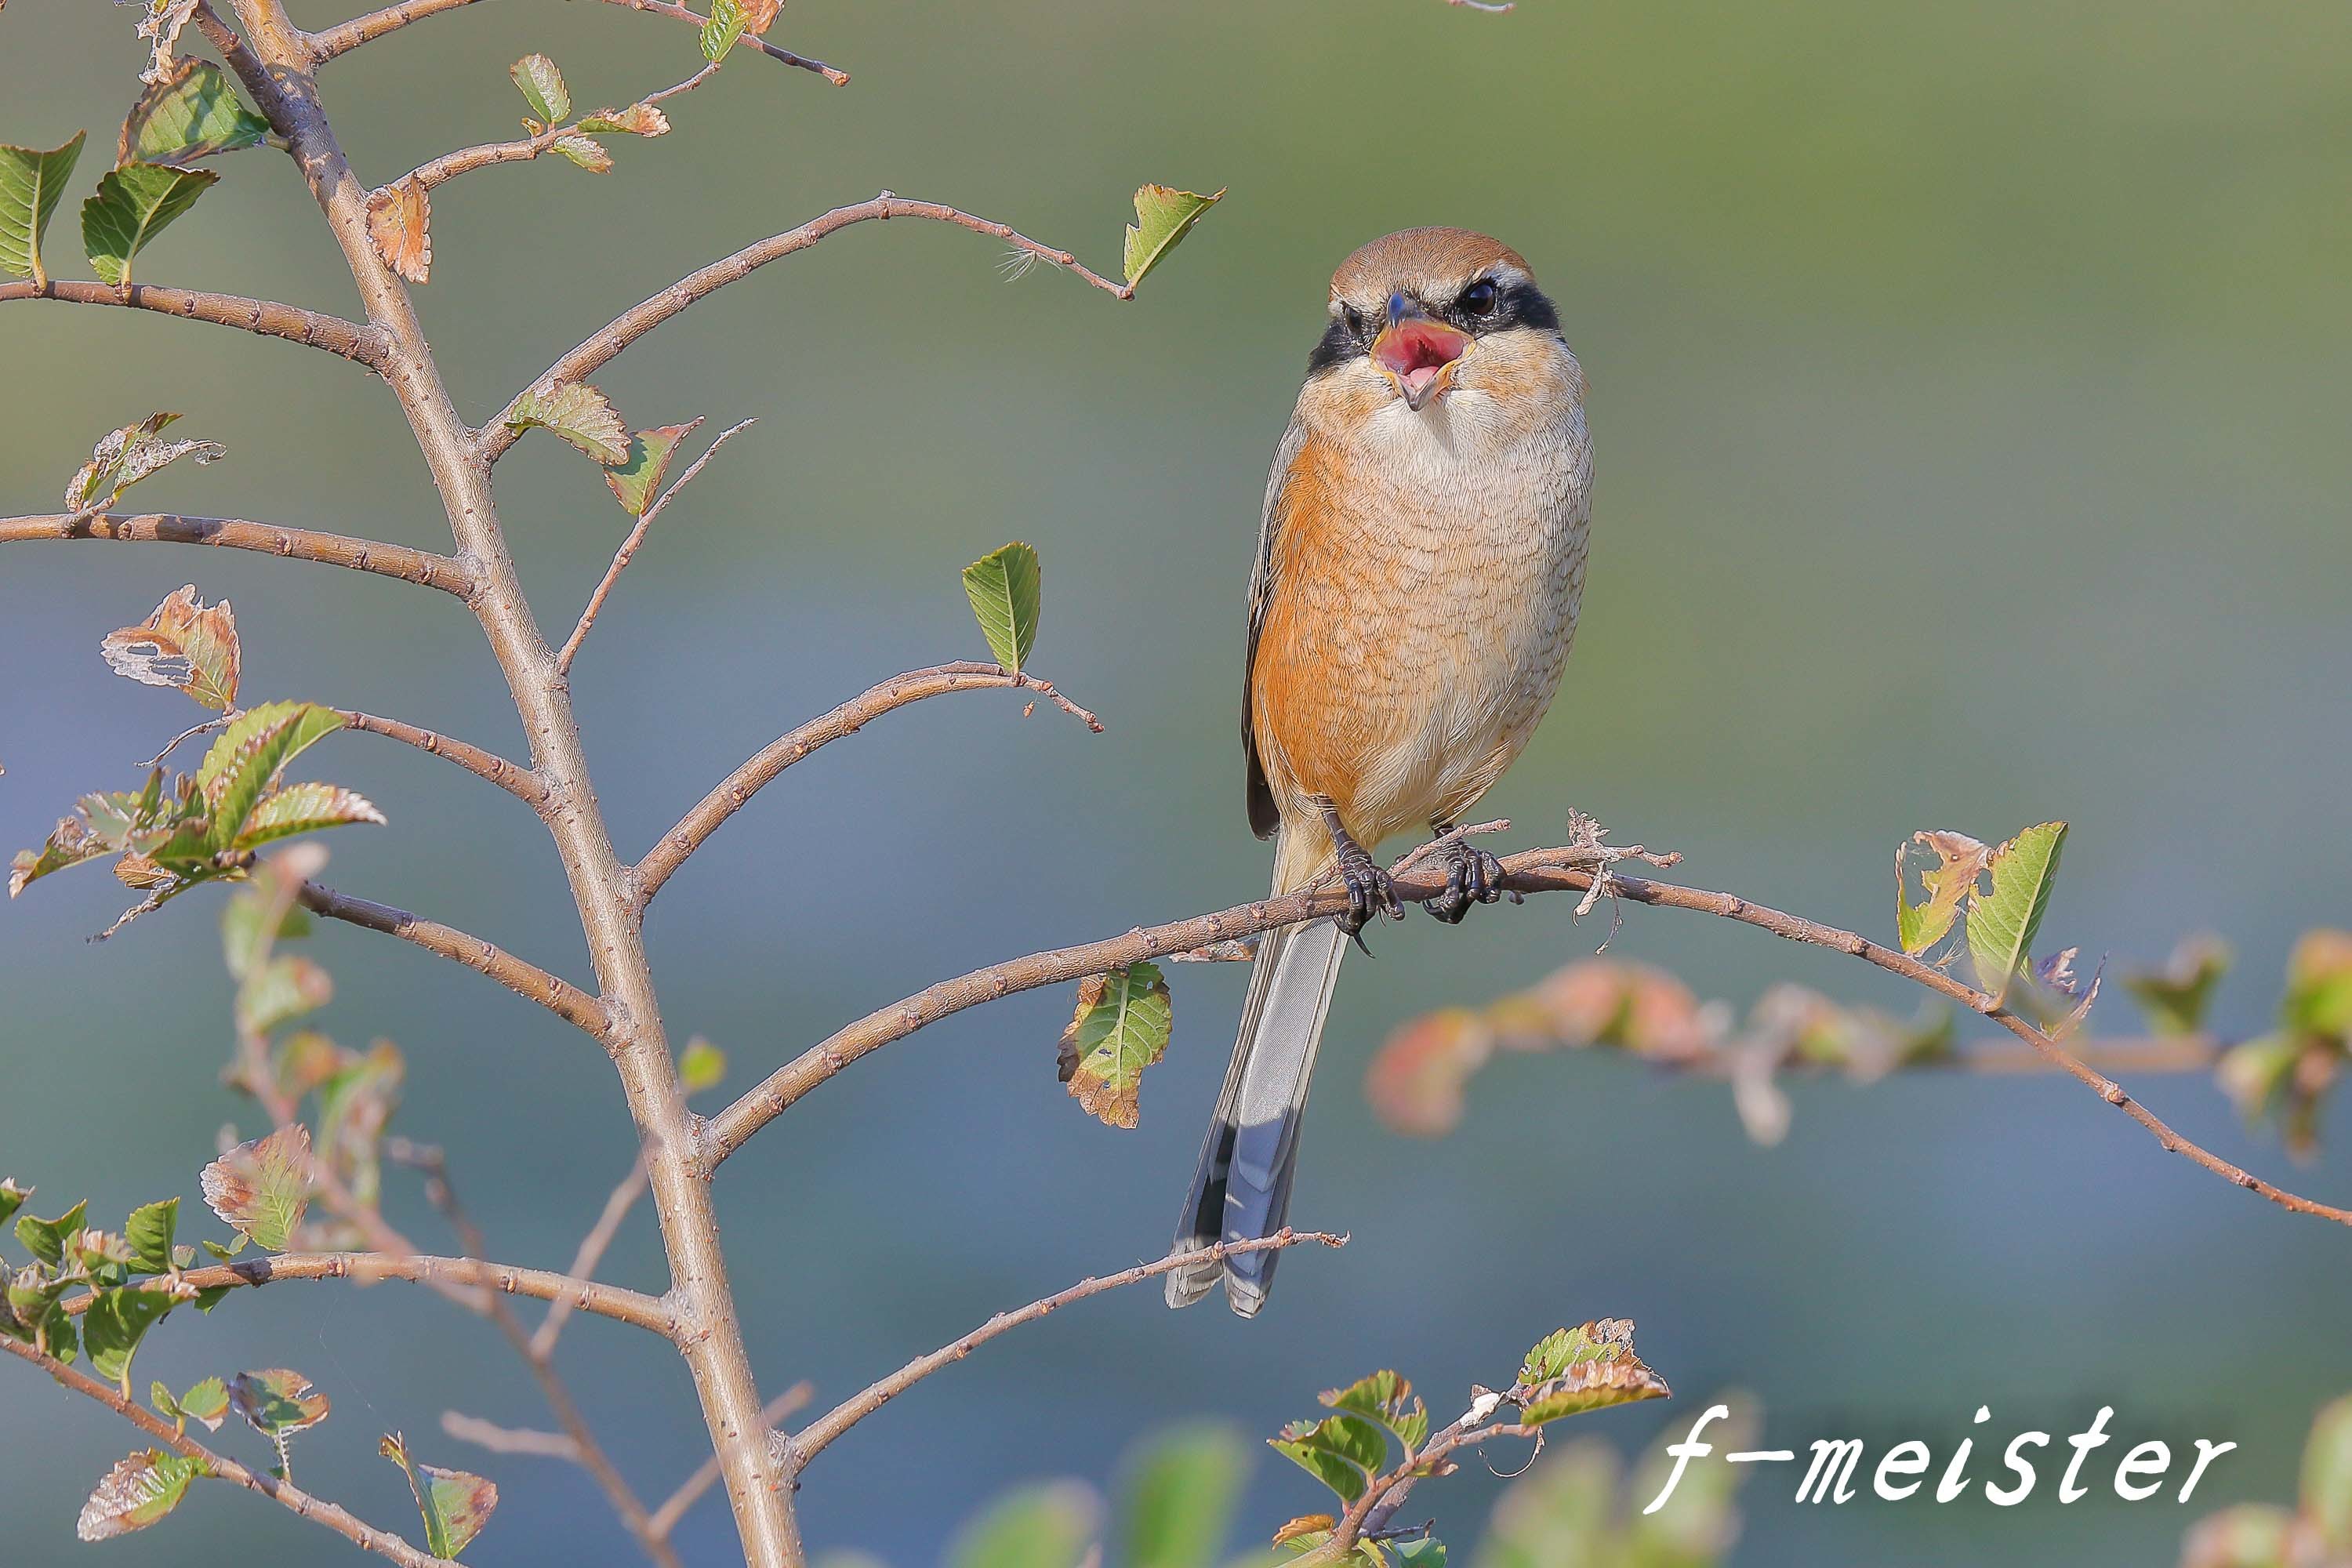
[(1418, 353)]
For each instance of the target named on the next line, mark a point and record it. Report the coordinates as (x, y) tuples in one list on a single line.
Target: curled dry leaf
[(638, 120), (163, 24), (139, 1491), (184, 645), (400, 221), (262, 1188), (123, 456), (1958, 861)]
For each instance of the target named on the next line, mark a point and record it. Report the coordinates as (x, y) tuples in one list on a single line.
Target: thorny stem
[(276, 74)]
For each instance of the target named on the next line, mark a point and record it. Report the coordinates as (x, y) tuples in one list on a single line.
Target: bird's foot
[(1371, 891), (1472, 876)]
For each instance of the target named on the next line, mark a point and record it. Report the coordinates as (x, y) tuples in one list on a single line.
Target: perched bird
[(1418, 564)]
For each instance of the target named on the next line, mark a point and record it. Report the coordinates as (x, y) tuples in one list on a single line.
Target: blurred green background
[(1969, 397)]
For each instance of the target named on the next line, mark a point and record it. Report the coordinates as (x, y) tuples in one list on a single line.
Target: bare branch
[(805, 1444), (736, 790), (268, 318), (632, 1307), (347, 36), (586, 1449), (500, 1439), (512, 777), (420, 566), (466, 160), (623, 1197), (220, 1467), (561, 997), (622, 556), (690, 1490), (584, 361)]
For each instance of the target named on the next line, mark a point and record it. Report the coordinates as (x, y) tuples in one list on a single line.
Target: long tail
[(1242, 1190)]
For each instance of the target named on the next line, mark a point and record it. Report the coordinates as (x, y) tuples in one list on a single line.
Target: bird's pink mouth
[(1417, 352)]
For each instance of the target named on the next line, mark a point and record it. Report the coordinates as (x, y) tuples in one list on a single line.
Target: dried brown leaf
[(400, 221), (184, 645)]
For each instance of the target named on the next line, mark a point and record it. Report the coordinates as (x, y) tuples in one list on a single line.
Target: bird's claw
[(1472, 876), (1370, 891)]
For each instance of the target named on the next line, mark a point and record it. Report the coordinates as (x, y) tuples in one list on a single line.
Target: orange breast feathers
[(1417, 615)]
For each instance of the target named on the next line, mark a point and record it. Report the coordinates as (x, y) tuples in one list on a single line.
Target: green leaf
[(243, 918), (1048, 1525), (192, 113), (542, 88), (2002, 923), (456, 1504), (139, 1491), (117, 1320), (1121, 1026), (206, 1401), (586, 152), (263, 1187), (287, 987), (124, 456), (1007, 595), (577, 412), (277, 1402), (728, 19), (45, 1238), (1163, 217), (12, 1198), (2327, 1478), (2319, 985), (132, 206), (227, 1253), (1958, 861), (186, 644), (248, 754), (1423, 1551), (1388, 1398), (150, 1231), (701, 1065), (1178, 1500), (31, 183), (303, 808), (1573, 1371), (1343, 1452), (635, 482)]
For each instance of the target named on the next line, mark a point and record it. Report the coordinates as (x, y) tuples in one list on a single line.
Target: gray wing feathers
[(1241, 1191)]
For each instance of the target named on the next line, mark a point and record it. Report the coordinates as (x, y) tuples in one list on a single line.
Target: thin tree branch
[(736, 790), (500, 1439), (801, 1446), (466, 160), (623, 1306), (584, 361), (421, 567), (592, 1246), (348, 36), (512, 777), (622, 556), (220, 1467), (769, 1099), (268, 318), (690, 1490), (587, 1450), (562, 998)]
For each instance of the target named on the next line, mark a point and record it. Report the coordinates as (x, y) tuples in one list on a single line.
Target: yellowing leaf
[(32, 182), (456, 1504), (124, 456), (586, 152), (542, 88), (1121, 1026), (184, 645), (1007, 596), (638, 120), (577, 412), (262, 1188), (636, 482), (277, 1402), (137, 1492), (1163, 217), (132, 206), (400, 221), (1958, 861), (1594, 1374), (2002, 923), (192, 113)]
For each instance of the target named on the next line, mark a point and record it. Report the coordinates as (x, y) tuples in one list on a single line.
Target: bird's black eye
[(1478, 299), (1355, 320)]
